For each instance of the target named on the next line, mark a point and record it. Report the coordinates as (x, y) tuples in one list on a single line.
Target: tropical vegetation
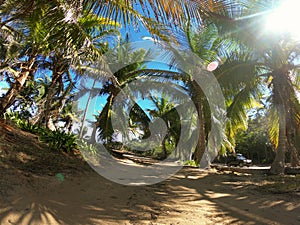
[(51, 50)]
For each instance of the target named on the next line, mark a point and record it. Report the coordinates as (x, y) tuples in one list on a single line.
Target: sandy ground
[(39, 186), (190, 197)]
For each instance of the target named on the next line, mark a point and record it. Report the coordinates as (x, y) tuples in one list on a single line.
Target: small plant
[(27, 126), (191, 163), (89, 148), (62, 141), (59, 140), (22, 123)]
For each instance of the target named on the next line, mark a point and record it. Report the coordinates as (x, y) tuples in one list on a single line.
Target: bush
[(191, 163), (57, 140), (89, 148), (22, 123)]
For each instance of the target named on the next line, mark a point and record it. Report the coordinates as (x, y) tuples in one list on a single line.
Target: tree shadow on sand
[(193, 196)]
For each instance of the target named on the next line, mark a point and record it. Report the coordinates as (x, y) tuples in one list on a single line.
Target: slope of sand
[(38, 186)]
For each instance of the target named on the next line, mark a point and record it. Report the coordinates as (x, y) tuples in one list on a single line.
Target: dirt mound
[(23, 151), (22, 155)]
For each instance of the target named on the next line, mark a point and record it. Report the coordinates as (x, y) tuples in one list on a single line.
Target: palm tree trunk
[(16, 87), (278, 164), (164, 147), (201, 143), (295, 161), (297, 140), (86, 109), (47, 113), (39, 115), (94, 133)]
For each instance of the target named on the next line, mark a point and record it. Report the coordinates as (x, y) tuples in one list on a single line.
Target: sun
[(285, 18)]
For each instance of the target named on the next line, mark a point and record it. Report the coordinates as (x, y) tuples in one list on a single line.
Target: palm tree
[(272, 65), (46, 31), (206, 45), (85, 41), (154, 14), (48, 26), (129, 62), (27, 30), (240, 95), (166, 110)]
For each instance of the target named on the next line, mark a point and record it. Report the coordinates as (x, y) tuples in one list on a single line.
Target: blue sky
[(98, 102)]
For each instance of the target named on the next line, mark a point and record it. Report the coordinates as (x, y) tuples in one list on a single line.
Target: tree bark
[(86, 109), (297, 140), (280, 99), (278, 164), (291, 137), (294, 156), (47, 113), (16, 87), (201, 143), (295, 162), (164, 147)]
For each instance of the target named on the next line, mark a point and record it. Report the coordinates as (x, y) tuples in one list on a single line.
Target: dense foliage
[(57, 140), (49, 48)]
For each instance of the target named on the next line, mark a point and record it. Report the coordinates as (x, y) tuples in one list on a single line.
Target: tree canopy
[(49, 49)]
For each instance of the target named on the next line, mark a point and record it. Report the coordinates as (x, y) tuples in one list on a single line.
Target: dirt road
[(189, 197)]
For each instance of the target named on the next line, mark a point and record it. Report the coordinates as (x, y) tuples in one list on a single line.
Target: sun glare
[(285, 18)]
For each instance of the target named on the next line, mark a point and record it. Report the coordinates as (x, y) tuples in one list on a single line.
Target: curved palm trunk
[(94, 133), (39, 115), (60, 105), (15, 88), (201, 143), (48, 104), (86, 109)]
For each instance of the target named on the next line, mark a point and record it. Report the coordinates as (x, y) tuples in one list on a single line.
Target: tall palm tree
[(47, 26), (273, 65), (47, 30), (130, 63), (240, 95), (205, 44)]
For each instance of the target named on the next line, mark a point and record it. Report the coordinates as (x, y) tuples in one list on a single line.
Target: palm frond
[(104, 121)]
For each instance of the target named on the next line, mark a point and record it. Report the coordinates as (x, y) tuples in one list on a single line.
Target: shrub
[(22, 123), (191, 163), (59, 140), (90, 148)]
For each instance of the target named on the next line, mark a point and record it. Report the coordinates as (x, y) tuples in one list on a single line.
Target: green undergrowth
[(57, 140)]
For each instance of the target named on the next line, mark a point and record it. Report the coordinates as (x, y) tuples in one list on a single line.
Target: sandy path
[(190, 197)]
